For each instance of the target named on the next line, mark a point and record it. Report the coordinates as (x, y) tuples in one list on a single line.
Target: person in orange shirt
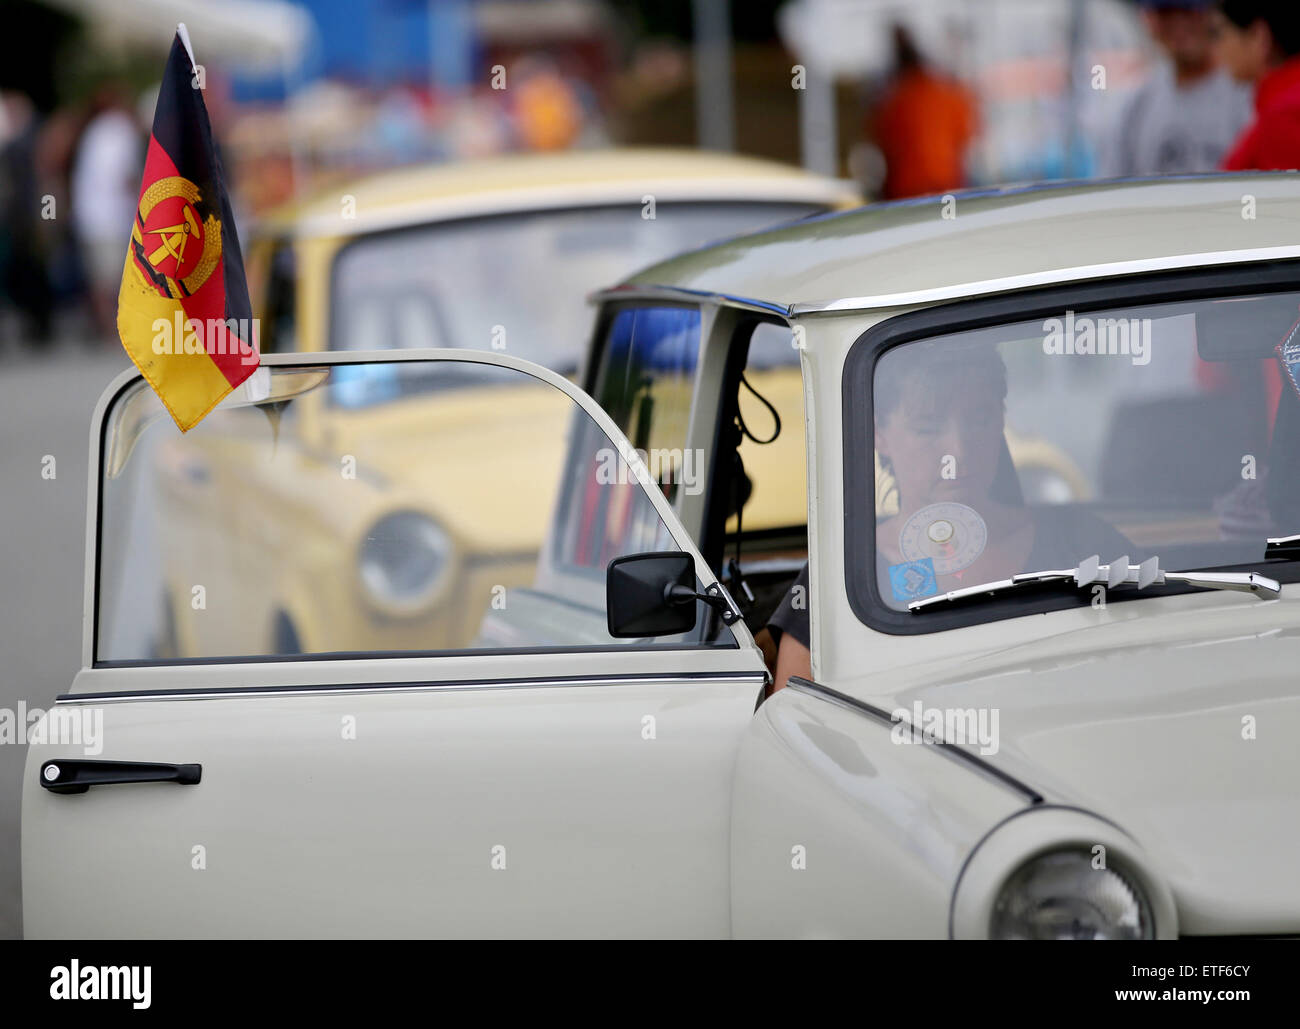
[(922, 125), (548, 114)]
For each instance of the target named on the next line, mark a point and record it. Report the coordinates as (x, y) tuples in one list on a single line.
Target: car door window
[(374, 507)]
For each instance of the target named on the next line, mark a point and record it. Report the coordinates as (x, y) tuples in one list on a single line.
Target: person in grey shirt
[(1185, 117)]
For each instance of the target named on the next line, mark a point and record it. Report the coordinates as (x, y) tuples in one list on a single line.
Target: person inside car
[(961, 520)]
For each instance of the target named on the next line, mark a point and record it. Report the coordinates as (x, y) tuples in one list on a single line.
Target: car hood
[(1179, 723)]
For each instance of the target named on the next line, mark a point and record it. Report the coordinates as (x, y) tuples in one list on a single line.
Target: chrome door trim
[(682, 295), (756, 679)]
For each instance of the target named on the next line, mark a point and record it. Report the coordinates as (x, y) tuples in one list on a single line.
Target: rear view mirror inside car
[(1244, 328)]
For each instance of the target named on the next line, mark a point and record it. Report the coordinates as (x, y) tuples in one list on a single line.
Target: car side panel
[(837, 831), (592, 810)]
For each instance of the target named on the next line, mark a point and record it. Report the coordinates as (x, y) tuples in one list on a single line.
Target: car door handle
[(77, 776)]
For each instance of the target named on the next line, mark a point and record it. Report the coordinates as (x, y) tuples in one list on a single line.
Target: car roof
[(909, 252), (435, 192)]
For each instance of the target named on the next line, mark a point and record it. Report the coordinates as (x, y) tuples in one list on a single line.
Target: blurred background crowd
[(906, 97)]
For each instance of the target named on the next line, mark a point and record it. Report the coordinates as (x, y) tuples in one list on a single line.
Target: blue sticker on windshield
[(913, 580)]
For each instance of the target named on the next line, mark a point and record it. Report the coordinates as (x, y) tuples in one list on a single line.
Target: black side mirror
[(654, 595), (650, 595)]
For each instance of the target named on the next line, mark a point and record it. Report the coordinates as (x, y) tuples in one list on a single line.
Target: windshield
[(1154, 431), (517, 283)]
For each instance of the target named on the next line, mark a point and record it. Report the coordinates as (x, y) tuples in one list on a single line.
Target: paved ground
[(45, 407)]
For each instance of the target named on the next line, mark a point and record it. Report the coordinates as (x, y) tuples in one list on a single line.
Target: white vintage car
[(1026, 713)]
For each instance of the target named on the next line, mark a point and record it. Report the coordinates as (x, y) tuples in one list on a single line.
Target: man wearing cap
[(1185, 117)]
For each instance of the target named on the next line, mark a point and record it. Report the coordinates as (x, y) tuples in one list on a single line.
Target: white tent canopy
[(250, 35), (852, 37)]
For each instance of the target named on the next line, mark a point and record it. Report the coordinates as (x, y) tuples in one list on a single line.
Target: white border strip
[(1047, 278)]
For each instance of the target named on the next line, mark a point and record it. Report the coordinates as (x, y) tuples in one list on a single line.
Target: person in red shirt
[(923, 125), (1259, 43)]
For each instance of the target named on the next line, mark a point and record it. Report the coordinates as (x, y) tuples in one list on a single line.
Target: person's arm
[(792, 658), (790, 628), (768, 646)]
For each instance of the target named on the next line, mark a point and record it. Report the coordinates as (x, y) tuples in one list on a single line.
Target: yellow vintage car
[(489, 255)]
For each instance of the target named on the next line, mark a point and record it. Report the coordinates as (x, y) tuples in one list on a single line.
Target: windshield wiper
[(1282, 547), (1118, 573)]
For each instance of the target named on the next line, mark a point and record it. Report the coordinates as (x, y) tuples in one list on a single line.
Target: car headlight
[(403, 560), (1061, 896)]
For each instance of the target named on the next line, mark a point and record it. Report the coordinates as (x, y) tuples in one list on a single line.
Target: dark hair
[(1281, 16), (907, 55), (947, 367)]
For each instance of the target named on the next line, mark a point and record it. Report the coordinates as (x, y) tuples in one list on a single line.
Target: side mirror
[(650, 595), (654, 595)]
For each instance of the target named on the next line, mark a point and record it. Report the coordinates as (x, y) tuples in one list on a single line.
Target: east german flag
[(183, 311)]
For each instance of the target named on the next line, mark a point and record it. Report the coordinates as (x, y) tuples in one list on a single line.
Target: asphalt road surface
[(45, 408)]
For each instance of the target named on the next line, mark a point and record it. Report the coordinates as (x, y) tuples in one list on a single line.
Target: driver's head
[(939, 413)]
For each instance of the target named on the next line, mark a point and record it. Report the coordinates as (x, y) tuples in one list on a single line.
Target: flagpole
[(184, 33)]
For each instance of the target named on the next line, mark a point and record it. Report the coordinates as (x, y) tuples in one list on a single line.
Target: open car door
[(315, 716)]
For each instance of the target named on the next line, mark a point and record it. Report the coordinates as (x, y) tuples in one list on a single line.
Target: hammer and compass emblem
[(174, 246)]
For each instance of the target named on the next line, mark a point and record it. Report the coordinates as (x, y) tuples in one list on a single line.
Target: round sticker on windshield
[(952, 535)]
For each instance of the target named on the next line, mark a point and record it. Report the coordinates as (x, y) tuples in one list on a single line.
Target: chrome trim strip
[(681, 294), (952, 750), (1046, 278), (757, 679)]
